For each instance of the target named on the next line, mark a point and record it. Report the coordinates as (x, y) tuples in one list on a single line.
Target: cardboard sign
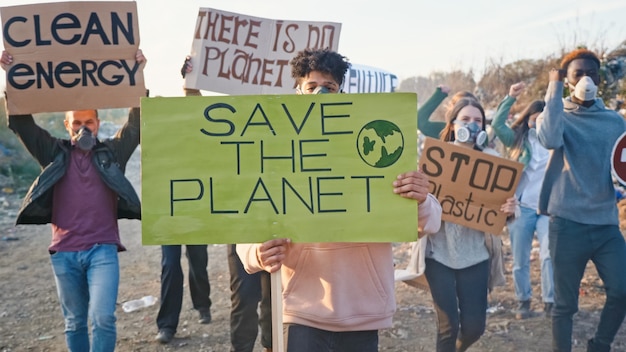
[(242, 169), (233, 53), (470, 185), (71, 56), (366, 79)]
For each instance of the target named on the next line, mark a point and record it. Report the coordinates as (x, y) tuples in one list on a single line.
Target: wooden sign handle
[(278, 343)]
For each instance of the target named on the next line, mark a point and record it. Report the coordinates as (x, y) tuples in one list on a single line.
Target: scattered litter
[(136, 304), (494, 309)]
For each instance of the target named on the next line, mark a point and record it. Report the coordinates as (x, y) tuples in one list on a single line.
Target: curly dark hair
[(579, 54), (322, 60)]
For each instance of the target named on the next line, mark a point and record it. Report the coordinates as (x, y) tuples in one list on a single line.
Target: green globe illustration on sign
[(380, 143)]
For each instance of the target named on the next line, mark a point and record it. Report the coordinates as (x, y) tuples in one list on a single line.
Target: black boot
[(593, 346), (523, 310)]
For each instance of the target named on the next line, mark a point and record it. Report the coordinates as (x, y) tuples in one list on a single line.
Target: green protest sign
[(314, 168)]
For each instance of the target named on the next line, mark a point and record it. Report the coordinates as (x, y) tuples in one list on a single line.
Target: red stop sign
[(618, 159)]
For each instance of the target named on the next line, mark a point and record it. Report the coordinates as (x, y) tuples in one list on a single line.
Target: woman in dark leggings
[(457, 260)]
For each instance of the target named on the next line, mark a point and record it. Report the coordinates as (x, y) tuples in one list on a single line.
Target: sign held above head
[(239, 54), (72, 56)]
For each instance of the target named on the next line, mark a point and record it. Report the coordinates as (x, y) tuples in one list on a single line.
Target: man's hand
[(139, 57), (412, 184), (5, 60), (509, 206), (272, 253), (187, 67)]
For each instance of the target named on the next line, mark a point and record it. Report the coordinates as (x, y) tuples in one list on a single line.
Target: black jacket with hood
[(53, 154)]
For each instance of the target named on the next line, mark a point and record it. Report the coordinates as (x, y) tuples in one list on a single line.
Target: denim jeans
[(460, 299), (522, 231), (87, 283), (247, 290), (172, 283), (572, 245), (300, 338)]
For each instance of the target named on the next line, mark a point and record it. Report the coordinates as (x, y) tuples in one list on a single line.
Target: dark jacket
[(53, 154)]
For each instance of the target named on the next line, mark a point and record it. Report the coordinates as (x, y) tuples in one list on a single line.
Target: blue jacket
[(53, 154)]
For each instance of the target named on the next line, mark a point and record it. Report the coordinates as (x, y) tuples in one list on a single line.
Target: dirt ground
[(31, 320)]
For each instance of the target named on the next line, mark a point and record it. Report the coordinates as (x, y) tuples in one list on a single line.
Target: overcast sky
[(408, 38)]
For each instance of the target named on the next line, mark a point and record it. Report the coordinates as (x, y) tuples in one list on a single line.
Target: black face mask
[(321, 90), (85, 140)]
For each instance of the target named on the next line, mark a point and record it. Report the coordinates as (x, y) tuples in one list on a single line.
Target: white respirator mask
[(585, 89)]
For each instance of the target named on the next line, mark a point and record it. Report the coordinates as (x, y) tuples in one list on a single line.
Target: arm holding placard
[(187, 68), (414, 185), (39, 143)]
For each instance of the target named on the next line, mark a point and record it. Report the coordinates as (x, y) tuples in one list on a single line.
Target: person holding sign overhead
[(457, 258), (172, 280), (250, 293), (336, 296), (578, 195), (81, 192)]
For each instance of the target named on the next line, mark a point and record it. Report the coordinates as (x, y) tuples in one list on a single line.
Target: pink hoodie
[(341, 286)]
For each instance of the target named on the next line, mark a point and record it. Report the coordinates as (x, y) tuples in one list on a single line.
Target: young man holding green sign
[(336, 296)]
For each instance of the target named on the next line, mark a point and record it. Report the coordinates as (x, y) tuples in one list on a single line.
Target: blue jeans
[(522, 231), (460, 299), (172, 283), (87, 283), (572, 245), (300, 338), (246, 292)]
